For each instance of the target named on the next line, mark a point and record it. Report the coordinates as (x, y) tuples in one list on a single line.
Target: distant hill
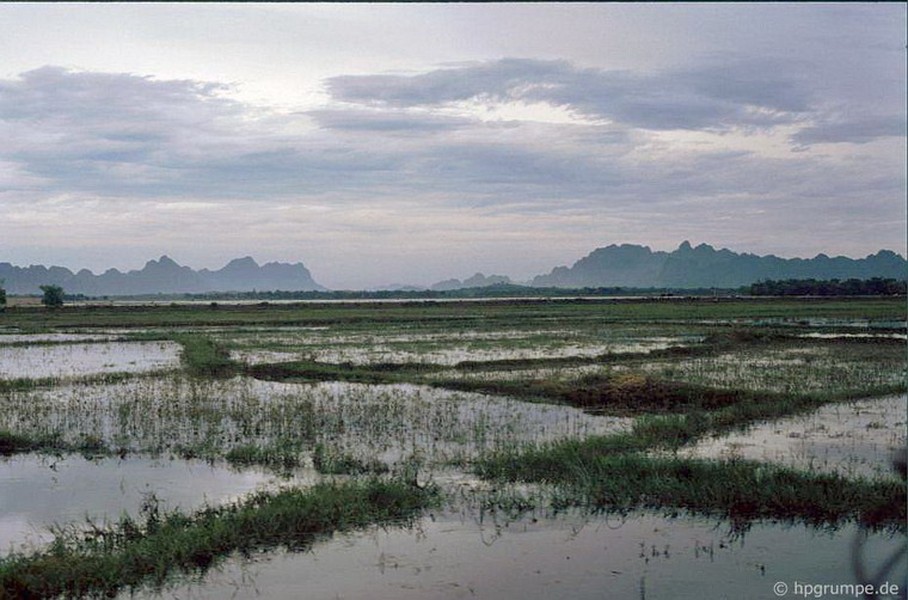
[(162, 276), (703, 266), (476, 281)]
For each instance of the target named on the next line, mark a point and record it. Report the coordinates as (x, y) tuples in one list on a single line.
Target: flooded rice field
[(174, 414), (837, 365), (855, 439), (80, 359), (186, 423), (453, 354), (440, 348)]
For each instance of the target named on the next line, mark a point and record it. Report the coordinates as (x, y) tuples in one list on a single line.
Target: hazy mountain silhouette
[(162, 276), (703, 266), (626, 265), (476, 281)]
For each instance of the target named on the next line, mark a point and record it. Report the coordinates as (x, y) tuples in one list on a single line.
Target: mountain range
[(626, 265), (703, 266), (162, 276)]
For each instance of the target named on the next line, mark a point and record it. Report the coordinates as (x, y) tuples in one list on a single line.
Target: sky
[(385, 144)]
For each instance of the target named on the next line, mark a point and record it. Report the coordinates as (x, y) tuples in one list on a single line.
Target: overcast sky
[(407, 143)]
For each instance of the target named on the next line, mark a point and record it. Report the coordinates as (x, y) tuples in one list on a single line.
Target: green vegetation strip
[(15, 443), (530, 312), (739, 490), (23, 384), (305, 371), (629, 394), (100, 562), (204, 357)]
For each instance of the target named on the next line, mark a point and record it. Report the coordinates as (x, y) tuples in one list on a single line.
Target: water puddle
[(853, 439), (39, 491), (476, 555), (72, 360)]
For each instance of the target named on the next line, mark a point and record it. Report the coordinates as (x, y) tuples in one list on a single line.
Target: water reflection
[(571, 555), (37, 492), (855, 438)]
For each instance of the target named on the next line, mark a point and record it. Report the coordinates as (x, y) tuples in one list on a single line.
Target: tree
[(53, 296), (2, 296)]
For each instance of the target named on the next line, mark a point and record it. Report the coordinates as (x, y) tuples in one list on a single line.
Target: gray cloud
[(738, 94), (122, 134), (125, 134), (859, 130)]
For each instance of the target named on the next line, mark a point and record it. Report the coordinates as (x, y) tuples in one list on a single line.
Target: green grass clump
[(24, 384), (103, 561), (328, 462), (308, 371), (282, 454), (14, 443), (18, 443), (304, 371), (204, 357)]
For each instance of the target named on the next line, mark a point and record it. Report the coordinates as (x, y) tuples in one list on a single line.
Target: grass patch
[(23, 384), (204, 357), (306, 371), (17, 443), (328, 462), (601, 475), (636, 394), (612, 393), (103, 561), (282, 454), (14, 443)]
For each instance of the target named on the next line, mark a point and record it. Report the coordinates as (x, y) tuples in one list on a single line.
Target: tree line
[(877, 286)]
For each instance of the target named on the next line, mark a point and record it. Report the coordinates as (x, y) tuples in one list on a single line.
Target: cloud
[(718, 97), (385, 121), (120, 134), (859, 130)]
